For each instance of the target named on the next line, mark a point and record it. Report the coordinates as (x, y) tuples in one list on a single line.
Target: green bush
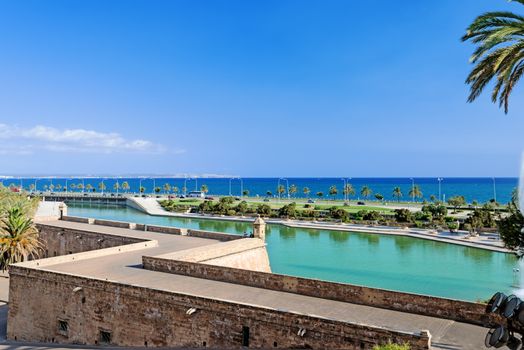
[(391, 346), (403, 215)]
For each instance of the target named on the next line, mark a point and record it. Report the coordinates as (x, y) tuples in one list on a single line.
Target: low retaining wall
[(40, 301), (457, 310), (156, 228), (248, 254), (61, 241)]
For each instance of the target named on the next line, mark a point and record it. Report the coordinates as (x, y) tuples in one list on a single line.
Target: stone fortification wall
[(247, 254), (419, 304), (60, 241), (46, 306)]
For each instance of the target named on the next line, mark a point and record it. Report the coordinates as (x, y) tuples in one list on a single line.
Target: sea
[(479, 189)]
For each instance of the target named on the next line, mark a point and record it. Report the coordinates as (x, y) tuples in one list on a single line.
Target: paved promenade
[(125, 268)]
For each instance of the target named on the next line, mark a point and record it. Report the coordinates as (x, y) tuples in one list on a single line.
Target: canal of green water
[(373, 260)]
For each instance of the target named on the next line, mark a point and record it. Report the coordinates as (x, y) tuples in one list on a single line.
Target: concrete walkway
[(124, 268)]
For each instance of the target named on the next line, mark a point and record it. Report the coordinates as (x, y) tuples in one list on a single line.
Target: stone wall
[(46, 306), (156, 228), (413, 303), (61, 241), (247, 254)]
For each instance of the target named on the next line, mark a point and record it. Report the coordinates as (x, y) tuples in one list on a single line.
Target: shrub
[(264, 209), (403, 215), (438, 211), (288, 210), (452, 226), (231, 212), (338, 214), (423, 216), (372, 216)]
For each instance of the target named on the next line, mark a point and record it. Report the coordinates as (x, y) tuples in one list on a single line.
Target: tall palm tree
[(281, 190), (204, 189), (306, 191), (116, 186), (174, 189), (499, 54), (415, 192), (125, 186), (397, 193), (333, 191), (167, 187), (365, 192), (348, 190), (102, 186), (18, 238), (293, 190), (89, 187)]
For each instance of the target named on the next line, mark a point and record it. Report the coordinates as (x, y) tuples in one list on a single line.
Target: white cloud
[(17, 140)]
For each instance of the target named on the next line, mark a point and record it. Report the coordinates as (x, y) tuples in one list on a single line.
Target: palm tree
[(281, 190), (269, 193), (73, 187), (204, 189), (116, 186), (174, 189), (58, 187), (333, 191), (18, 238), (499, 54), (125, 186), (102, 186), (365, 192), (32, 187), (415, 192), (348, 190), (80, 187), (320, 194), (293, 190), (397, 193), (167, 187), (306, 191), (89, 187)]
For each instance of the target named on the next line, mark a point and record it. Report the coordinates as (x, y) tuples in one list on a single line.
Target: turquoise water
[(389, 262)]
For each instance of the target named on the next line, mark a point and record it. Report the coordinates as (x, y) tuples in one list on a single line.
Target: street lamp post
[(36, 180), (241, 185), (494, 190), (344, 192), (439, 188)]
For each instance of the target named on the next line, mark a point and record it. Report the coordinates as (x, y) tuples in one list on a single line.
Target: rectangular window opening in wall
[(245, 336), (63, 327), (104, 337)]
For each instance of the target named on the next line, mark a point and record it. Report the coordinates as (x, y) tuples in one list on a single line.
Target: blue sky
[(251, 88)]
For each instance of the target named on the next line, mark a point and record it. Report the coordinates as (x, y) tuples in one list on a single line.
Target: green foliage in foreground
[(18, 234), (498, 56), (391, 346), (510, 227)]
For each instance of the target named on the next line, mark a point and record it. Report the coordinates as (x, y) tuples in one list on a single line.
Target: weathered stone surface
[(457, 310), (58, 241), (137, 316), (247, 253)]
